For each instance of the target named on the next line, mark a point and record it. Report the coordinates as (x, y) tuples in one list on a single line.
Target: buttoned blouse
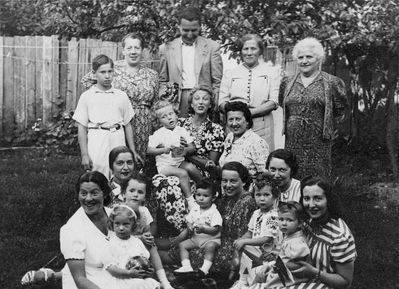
[(253, 86)]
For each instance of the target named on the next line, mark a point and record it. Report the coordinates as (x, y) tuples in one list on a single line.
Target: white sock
[(206, 266), (186, 264)]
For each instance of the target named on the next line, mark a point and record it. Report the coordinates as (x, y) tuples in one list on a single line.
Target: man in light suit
[(190, 60)]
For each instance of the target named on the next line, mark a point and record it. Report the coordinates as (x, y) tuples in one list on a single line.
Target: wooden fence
[(39, 75)]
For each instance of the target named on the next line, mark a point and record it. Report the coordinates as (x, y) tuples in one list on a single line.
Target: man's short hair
[(190, 14)]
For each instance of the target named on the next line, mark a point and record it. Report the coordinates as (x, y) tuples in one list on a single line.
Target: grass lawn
[(38, 197)]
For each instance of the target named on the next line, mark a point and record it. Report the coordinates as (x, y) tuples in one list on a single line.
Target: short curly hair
[(311, 43), (240, 106), (100, 180)]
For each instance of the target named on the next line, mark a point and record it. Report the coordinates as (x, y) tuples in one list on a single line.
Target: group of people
[(222, 199)]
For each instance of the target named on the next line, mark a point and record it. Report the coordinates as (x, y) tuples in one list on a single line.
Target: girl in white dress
[(124, 248)]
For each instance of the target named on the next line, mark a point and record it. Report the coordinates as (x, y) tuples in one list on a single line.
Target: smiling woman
[(242, 144), (256, 84), (141, 85), (314, 103)]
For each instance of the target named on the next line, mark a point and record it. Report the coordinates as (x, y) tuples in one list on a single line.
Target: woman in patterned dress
[(313, 102), (331, 243), (208, 136), (236, 207), (141, 85), (242, 144)]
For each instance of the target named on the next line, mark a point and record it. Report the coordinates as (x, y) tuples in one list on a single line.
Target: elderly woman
[(254, 83), (313, 102), (242, 144), (331, 243), (84, 238), (140, 84), (282, 165)]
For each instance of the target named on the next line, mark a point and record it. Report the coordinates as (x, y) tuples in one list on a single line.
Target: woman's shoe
[(41, 275)]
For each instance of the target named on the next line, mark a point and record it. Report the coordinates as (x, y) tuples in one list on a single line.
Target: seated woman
[(236, 207), (283, 165), (242, 144), (208, 139), (331, 243)]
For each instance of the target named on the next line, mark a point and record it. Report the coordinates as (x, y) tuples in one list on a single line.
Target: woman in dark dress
[(313, 102)]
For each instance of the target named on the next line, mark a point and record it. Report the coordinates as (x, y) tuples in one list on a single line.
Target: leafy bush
[(60, 134)]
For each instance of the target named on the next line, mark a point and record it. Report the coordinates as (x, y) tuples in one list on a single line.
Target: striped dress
[(329, 244), (293, 193)]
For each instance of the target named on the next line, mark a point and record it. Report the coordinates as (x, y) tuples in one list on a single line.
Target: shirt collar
[(97, 90), (185, 44)]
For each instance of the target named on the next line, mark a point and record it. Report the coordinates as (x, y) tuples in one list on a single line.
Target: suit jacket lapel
[(176, 55), (201, 50)]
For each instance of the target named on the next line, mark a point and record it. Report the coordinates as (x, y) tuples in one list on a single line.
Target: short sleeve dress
[(80, 239)]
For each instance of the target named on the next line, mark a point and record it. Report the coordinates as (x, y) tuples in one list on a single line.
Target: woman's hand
[(183, 142), (199, 228), (87, 163), (148, 239), (139, 273), (239, 244), (138, 159), (305, 270)]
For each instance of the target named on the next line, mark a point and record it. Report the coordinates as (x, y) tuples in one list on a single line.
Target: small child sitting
[(135, 197), (124, 247), (170, 144), (262, 228), (293, 248), (204, 224)]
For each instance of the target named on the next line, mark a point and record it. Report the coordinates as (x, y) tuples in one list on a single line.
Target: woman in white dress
[(84, 239)]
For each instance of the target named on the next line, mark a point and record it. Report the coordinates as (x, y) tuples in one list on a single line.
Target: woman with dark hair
[(84, 238), (254, 83), (141, 85), (242, 144), (236, 207), (331, 243), (283, 165)]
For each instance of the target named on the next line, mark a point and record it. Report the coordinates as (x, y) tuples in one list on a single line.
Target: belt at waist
[(111, 128), (140, 106)]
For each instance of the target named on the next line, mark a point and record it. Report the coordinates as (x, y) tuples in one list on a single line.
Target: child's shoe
[(183, 270), (41, 275)]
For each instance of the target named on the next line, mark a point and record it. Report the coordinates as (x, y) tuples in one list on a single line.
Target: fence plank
[(82, 68), (39, 77), (47, 78), (30, 79), (8, 97), (19, 84), (56, 103), (73, 58), (2, 107), (63, 71)]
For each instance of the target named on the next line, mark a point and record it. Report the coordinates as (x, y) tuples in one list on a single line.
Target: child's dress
[(293, 248), (210, 217), (121, 252), (98, 110)]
